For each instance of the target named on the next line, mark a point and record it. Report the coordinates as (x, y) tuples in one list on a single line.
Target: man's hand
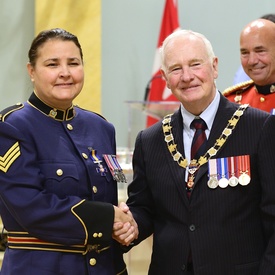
[(125, 228)]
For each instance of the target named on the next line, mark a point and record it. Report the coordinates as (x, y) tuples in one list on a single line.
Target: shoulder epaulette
[(4, 113), (100, 115), (90, 111), (238, 87)]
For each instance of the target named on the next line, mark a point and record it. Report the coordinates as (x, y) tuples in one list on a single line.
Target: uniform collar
[(265, 90), (54, 113)]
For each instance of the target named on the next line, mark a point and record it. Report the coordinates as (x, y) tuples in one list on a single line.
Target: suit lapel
[(177, 172)]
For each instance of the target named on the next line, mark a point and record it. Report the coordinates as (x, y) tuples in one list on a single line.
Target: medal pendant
[(244, 179), (96, 160), (116, 176), (232, 169), (212, 168), (120, 176), (223, 182), (190, 182), (193, 166), (101, 170), (222, 168), (212, 182), (192, 170), (233, 181), (123, 178)]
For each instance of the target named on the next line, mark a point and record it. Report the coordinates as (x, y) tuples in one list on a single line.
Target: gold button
[(92, 261), (95, 189), (262, 99), (95, 235), (59, 172), (100, 235), (84, 156), (69, 127)]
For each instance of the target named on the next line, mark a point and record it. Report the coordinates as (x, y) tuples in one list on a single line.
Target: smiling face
[(190, 72), (257, 48), (58, 73)]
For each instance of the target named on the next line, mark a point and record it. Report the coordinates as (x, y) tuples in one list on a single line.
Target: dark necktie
[(198, 147), (199, 140)]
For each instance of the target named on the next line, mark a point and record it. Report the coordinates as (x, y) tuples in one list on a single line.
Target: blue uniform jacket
[(56, 203)]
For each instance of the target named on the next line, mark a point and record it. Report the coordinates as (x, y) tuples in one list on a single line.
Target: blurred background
[(119, 40)]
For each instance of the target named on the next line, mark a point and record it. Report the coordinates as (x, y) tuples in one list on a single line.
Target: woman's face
[(58, 74)]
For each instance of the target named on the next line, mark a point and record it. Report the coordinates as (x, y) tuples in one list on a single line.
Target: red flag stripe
[(158, 90)]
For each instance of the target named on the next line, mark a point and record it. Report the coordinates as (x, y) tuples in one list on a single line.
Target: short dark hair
[(46, 35), (269, 16)]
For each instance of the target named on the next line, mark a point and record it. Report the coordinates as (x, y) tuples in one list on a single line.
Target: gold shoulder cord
[(238, 87)]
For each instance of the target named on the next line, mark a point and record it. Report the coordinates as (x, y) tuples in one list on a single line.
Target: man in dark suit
[(214, 215)]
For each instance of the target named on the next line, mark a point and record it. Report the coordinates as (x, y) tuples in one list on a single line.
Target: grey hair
[(185, 33)]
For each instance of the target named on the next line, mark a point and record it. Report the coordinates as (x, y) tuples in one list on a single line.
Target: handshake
[(125, 228)]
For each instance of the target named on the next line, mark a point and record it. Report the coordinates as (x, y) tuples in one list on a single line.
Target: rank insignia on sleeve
[(9, 157)]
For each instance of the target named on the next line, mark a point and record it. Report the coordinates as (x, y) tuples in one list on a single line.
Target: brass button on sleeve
[(92, 261)]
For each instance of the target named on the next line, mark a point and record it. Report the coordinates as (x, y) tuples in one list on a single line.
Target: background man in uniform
[(257, 50), (240, 75)]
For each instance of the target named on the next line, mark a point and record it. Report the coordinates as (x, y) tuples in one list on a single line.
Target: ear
[(30, 71), (215, 67), (165, 78)]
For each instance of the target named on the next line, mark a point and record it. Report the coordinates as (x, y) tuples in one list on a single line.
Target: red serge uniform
[(261, 97)]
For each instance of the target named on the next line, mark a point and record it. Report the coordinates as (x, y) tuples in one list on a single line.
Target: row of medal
[(229, 171), (115, 168), (112, 164)]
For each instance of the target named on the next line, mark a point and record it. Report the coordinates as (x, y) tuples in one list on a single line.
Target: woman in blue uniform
[(57, 192)]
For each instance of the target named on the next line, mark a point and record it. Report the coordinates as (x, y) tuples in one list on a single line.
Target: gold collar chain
[(177, 156)]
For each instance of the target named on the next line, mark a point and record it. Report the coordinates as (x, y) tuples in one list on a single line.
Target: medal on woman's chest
[(96, 159)]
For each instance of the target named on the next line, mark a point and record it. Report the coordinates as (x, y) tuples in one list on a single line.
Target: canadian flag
[(156, 89)]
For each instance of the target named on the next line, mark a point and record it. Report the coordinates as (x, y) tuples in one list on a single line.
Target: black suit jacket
[(229, 230)]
